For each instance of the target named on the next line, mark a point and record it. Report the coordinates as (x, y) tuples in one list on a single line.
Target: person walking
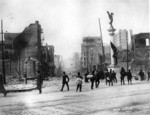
[(97, 78), (2, 89), (141, 74), (65, 80), (114, 77), (110, 78), (86, 79), (107, 78), (129, 77), (79, 82), (148, 73), (92, 79), (39, 81), (122, 73)]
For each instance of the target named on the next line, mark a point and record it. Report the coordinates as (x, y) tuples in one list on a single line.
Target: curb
[(20, 90)]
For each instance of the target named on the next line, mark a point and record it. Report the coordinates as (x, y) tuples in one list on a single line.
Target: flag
[(113, 47), (115, 52)]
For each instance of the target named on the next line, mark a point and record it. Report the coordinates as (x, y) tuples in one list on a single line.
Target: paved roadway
[(114, 100)]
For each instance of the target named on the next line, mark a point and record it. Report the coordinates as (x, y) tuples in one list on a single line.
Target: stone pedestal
[(111, 31)]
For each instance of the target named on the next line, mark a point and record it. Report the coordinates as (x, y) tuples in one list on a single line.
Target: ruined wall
[(26, 46), (141, 51)]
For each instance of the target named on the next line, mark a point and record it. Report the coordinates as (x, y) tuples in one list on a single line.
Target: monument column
[(113, 49), (111, 31)]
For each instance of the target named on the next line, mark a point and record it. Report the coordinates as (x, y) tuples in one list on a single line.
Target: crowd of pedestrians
[(94, 77)]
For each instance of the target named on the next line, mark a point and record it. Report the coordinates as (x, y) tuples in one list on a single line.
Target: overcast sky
[(66, 22)]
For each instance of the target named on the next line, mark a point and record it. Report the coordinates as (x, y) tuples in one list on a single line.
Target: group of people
[(123, 74), (95, 77), (65, 81)]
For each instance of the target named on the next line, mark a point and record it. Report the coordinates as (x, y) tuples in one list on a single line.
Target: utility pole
[(3, 62), (39, 44), (101, 37), (127, 49), (87, 59)]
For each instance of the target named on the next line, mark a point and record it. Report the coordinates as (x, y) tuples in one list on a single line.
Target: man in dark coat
[(141, 74), (129, 77), (39, 81), (97, 78), (111, 78), (148, 73), (2, 89), (122, 73), (114, 77), (65, 81), (107, 77), (86, 79), (92, 79)]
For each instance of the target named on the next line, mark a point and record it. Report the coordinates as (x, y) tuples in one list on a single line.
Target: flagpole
[(127, 50), (101, 37)]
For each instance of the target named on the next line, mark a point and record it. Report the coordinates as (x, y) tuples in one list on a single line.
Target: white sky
[(66, 22)]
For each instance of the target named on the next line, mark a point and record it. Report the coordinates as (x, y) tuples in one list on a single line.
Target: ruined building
[(26, 52), (141, 51), (8, 53)]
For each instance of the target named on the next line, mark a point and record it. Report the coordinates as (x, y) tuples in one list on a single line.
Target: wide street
[(114, 100)]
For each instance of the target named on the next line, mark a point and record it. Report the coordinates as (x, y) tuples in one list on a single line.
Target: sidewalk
[(31, 85), (20, 87)]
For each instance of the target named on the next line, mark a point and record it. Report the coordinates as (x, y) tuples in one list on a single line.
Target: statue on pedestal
[(111, 30), (110, 15)]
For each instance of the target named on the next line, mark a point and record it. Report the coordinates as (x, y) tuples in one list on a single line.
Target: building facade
[(91, 52), (120, 39), (24, 52), (8, 53), (27, 46), (48, 57), (141, 51), (76, 60), (58, 65)]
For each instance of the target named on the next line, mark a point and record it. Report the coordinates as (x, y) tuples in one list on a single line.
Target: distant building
[(57, 61), (27, 46), (58, 65), (107, 53), (91, 52), (48, 57), (141, 51), (120, 39), (76, 60), (24, 52), (8, 52), (8, 45), (107, 48)]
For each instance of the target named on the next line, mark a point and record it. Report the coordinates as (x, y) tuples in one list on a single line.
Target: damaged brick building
[(141, 51), (28, 51)]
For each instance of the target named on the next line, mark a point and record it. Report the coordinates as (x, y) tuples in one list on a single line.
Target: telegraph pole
[(127, 49), (101, 37), (39, 45), (3, 62)]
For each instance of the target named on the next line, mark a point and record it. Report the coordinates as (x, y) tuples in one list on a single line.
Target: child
[(79, 82)]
